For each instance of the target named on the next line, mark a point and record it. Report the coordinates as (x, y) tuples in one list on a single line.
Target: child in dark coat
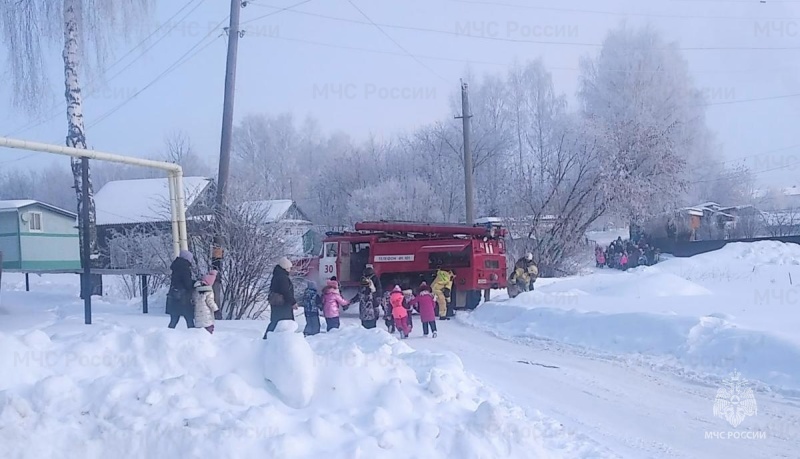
[(408, 296), (388, 319), (311, 304)]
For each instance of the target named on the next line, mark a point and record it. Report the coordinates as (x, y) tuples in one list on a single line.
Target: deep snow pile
[(733, 309), (128, 387)]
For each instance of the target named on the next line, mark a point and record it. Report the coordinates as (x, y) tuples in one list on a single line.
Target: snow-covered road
[(635, 411)]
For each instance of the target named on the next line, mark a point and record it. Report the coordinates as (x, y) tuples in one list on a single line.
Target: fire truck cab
[(407, 253)]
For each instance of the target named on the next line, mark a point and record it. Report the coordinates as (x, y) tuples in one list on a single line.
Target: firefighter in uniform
[(525, 273), (441, 287)]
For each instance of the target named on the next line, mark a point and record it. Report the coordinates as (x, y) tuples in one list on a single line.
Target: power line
[(274, 12), (502, 64), (733, 176), (60, 106), (386, 52), (180, 61), (407, 52), (613, 13), (521, 40), (755, 99), (120, 71), (774, 150)]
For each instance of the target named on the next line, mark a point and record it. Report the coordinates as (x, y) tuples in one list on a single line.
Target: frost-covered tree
[(85, 30), (647, 117), (411, 200), (178, 149)]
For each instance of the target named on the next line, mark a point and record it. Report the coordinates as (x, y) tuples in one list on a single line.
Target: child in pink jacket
[(331, 302), (399, 312), (425, 303)]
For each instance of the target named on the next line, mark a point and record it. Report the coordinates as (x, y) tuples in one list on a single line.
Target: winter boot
[(434, 334)]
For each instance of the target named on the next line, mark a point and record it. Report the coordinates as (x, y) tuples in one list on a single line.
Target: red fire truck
[(407, 253)]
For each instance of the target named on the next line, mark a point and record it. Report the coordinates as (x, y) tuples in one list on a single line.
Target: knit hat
[(285, 263), (333, 284), (311, 285), (186, 255), (210, 278), (424, 287), (397, 289)]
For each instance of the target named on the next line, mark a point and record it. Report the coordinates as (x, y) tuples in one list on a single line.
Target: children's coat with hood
[(203, 298), (396, 300), (311, 300), (367, 306), (332, 300), (425, 304)]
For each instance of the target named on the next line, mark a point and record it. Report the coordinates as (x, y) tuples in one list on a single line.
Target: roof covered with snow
[(142, 201), (791, 191), (273, 211), (16, 204)]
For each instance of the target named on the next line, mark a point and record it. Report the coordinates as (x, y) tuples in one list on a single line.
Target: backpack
[(311, 302)]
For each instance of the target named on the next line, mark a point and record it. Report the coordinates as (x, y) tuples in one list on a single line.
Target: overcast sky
[(285, 65)]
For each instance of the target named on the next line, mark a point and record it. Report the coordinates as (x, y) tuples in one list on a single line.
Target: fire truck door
[(327, 266), (344, 262)]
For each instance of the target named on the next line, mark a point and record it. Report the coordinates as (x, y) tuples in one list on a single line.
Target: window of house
[(35, 221)]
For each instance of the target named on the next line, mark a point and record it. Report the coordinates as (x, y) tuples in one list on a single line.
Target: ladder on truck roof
[(453, 229)]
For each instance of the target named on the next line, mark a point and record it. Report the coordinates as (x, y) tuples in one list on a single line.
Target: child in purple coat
[(425, 303)]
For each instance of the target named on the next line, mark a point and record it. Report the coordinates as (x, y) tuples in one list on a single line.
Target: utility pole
[(468, 186), (225, 144), (86, 278)]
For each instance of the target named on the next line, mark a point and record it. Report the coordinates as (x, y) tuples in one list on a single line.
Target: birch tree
[(86, 30)]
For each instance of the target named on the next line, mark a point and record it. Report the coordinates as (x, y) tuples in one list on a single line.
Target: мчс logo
[(734, 401)]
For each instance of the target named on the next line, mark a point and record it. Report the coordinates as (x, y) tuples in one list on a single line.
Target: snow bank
[(733, 309), (710, 344), (110, 390)]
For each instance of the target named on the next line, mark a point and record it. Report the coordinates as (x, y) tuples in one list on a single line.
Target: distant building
[(38, 237), (302, 236), (708, 221)]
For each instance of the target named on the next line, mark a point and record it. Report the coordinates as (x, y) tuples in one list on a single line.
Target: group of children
[(330, 302), (398, 306), (626, 254), (403, 303)]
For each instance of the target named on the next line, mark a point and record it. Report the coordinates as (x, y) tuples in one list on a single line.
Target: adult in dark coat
[(181, 287), (281, 295)]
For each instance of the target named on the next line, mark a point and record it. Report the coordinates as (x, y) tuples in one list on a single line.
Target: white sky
[(385, 94)]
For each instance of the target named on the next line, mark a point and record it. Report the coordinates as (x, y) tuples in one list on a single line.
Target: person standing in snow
[(204, 304), (600, 257), (623, 261), (408, 296), (388, 318), (426, 305), (181, 289), (311, 303), (441, 286), (399, 312), (281, 295), (331, 302), (367, 306)]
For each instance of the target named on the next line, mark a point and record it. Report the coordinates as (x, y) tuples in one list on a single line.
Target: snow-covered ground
[(610, 364), (734, 309), (128, 387)]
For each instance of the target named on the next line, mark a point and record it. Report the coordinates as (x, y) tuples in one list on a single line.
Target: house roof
[(791, 191), (142, 201), (273, 210), (17, 204)]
